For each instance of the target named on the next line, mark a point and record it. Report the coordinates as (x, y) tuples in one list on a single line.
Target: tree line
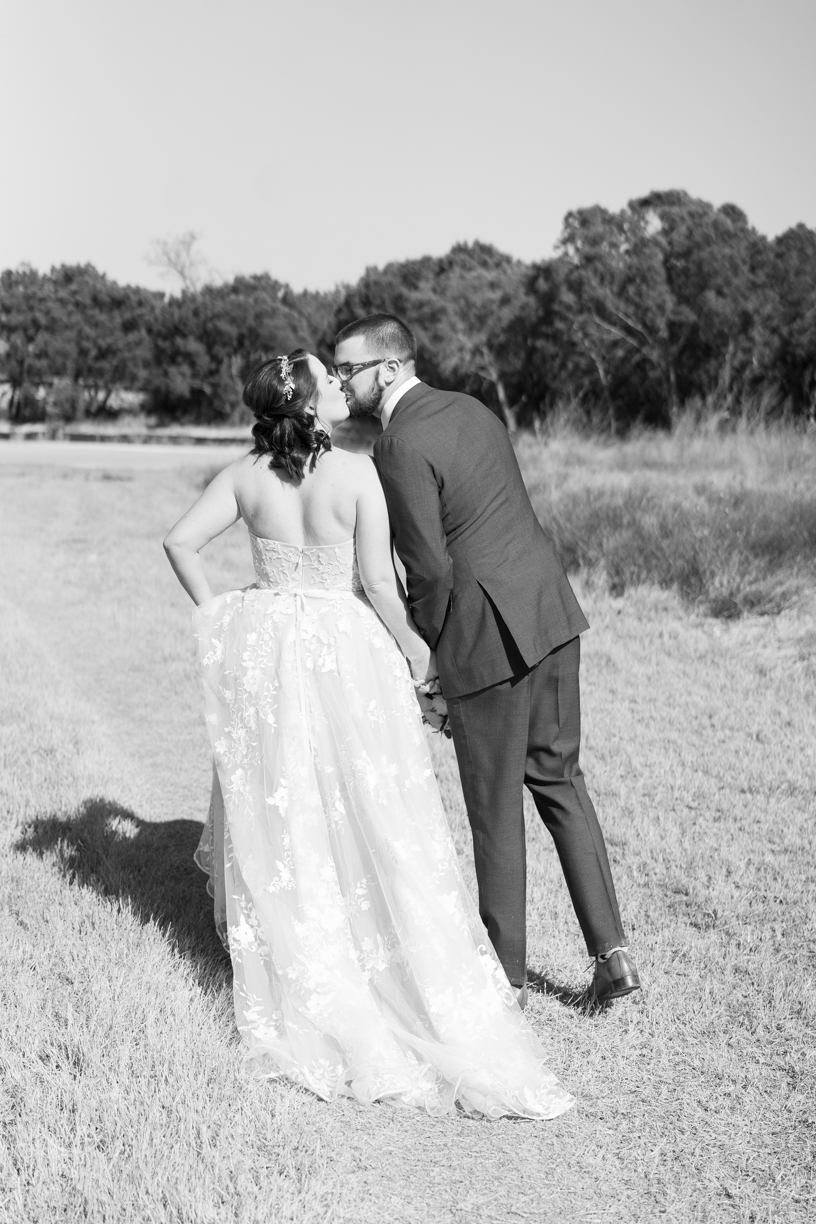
[(669, 304)]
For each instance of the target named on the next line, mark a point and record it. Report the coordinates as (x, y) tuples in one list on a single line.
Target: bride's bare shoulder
[(351, 458), (244, 463), (352, 466), (249, 466)]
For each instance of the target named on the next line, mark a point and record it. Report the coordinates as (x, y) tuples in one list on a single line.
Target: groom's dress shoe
[(521, 995), (613, 978)]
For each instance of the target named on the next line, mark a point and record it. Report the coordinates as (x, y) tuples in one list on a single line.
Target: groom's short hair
[(385, 333)]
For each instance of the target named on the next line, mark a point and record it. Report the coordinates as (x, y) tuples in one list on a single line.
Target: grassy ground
[(728, 521), (122, 1098)]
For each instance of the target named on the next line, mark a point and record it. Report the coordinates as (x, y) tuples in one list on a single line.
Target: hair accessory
[(286, 375)]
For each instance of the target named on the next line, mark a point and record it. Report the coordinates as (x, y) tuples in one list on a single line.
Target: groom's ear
[(390, 368)]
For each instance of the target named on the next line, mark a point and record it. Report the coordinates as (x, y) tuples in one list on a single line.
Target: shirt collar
[(394, 398)]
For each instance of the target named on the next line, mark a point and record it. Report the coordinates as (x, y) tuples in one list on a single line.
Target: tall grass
[(722, 513), (726, 520)]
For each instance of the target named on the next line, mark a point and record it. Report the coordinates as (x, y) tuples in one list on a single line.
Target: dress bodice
[(304, 567)]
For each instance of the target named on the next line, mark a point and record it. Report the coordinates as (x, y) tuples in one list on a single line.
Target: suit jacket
[(485, 586)]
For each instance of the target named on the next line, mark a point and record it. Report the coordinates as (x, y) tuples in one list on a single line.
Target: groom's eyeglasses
[(348, 369)]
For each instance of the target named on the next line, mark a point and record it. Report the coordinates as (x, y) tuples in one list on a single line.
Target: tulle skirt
[(361, 967)]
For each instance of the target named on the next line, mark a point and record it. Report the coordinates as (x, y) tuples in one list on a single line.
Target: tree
[(400, 289), (645, 308), (104, 333), (478, 332), (464, 309), (319, 310), (790, 319), (623, 314), (667, 301), (25, 327), (716, 268), (178, 259), (207, 343)]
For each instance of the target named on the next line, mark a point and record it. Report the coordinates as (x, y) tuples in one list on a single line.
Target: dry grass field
[(122, 1098)]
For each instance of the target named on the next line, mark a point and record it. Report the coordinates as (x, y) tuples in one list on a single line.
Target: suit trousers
[(526, 731)]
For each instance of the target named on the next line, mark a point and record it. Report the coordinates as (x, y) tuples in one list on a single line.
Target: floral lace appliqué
[(361, 967)]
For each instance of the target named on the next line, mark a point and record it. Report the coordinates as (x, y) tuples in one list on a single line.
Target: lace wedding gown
[(361, 966)]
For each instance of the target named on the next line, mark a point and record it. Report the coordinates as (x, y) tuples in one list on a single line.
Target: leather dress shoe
[(614, 978), (521, 995)]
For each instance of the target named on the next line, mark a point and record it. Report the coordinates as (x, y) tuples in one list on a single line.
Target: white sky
[(310, 139)]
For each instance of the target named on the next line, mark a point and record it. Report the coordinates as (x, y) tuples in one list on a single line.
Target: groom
[(490, 597)]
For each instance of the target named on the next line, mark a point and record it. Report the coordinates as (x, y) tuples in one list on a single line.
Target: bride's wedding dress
[(361, 966)]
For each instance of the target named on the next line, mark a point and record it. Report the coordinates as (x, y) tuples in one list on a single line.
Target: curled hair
[(387, 336), (284, 428)]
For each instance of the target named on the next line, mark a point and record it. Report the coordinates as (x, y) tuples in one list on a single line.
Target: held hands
[(431, 700), (421, 661), (434, 710)]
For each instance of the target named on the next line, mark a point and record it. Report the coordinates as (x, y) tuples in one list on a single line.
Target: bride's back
[(319, 509)]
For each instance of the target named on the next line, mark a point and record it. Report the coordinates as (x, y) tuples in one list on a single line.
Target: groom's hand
[(419, 661), (434, 710), (432, 675)]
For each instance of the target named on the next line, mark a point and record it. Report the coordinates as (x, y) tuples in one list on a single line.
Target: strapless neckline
[(301, 547)]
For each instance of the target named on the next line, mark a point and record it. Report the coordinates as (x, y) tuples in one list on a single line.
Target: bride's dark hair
[(285, 428)]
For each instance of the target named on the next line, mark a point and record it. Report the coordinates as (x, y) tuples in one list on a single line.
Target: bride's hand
[(420, 661), (432, 673)]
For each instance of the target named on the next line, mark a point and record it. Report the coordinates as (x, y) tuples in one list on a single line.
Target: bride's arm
[(379, 579), (215, 511)]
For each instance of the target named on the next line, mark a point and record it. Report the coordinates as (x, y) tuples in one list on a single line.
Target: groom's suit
[(491, 598)]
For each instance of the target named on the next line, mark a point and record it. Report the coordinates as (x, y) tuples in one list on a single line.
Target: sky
[(315, 138)]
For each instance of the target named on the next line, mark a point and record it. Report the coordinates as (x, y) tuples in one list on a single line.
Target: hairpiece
[(286, 375)]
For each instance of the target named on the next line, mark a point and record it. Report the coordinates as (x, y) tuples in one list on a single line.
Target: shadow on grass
[(146, 866), (579, 1000)]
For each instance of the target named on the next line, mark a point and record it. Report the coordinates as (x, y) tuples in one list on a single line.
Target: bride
[(361, 967)]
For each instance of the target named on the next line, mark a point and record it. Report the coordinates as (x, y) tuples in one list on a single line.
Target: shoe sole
[(619, 988)]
